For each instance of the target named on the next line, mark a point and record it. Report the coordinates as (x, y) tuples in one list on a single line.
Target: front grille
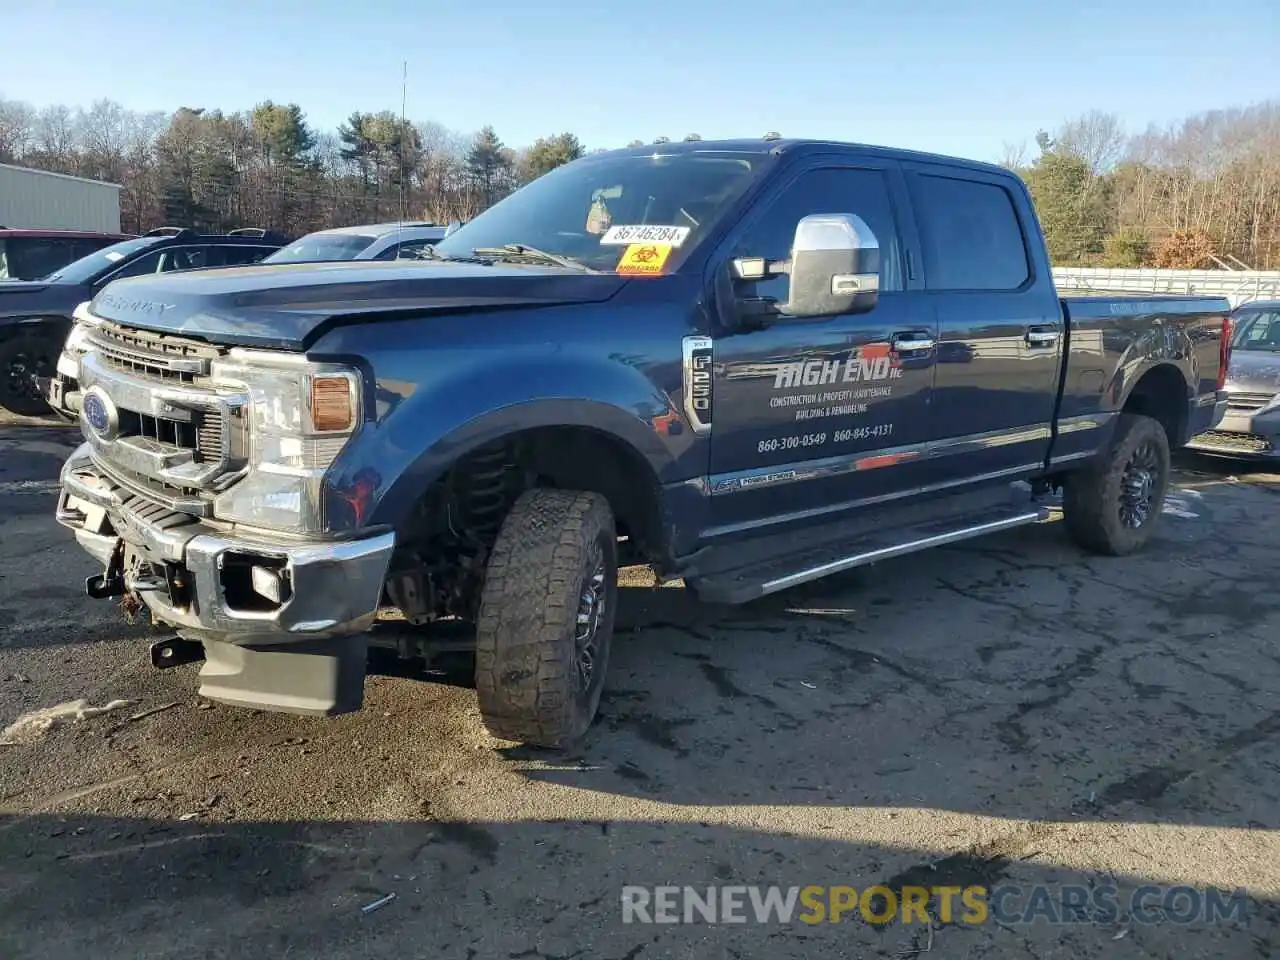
[(1249, 401), (152, 356), (208, 424), (174, 437), (143, 367), (202, 435), (1228, 440), (172, 496)]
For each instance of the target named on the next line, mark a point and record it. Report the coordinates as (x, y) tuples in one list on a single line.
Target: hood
[(288, 306), (1254, 371), (26, 298)]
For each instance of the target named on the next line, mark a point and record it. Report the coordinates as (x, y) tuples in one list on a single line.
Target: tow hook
[(175, 652), (111, 583)]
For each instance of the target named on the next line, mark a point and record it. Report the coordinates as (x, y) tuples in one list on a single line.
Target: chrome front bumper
[(194, 576)]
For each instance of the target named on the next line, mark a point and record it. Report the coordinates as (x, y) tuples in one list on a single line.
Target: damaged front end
[(197, 490)]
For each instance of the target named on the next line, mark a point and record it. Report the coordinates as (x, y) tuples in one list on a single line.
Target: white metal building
[(36, 199)]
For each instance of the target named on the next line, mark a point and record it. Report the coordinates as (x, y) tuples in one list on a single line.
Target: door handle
[(1041, 337), (912, 341)]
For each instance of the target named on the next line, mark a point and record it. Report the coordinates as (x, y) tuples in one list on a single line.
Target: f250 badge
[(697, 371)]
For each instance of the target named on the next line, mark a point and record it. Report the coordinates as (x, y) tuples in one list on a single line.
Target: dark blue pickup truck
[(749, 364)]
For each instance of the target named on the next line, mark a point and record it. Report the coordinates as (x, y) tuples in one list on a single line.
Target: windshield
[(1258, 330), (592, 210), (87, 268), (322, 246)]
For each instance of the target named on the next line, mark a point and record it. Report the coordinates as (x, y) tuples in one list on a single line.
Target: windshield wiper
[(532, 253)]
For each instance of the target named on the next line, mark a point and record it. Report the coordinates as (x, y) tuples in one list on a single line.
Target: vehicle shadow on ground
[(1060, 684), (83, 885)]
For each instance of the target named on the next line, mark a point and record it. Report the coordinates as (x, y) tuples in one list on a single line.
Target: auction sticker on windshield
[(624, 234), (644, 259)]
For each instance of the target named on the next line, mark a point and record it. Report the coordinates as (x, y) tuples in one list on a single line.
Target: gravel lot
[(1004, 711)]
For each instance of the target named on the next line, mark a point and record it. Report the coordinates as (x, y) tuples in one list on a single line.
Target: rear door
[(1000, 331), (815, 417)]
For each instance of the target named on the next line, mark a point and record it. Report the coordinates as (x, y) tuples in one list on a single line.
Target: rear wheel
[(1113, 507), (26, 361), (546, 618)]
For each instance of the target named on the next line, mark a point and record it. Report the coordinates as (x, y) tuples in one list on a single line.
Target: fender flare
[(422, 434), (607, 420), (1124, 384)]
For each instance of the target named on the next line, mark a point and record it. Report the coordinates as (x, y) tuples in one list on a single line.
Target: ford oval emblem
[(99, 414)]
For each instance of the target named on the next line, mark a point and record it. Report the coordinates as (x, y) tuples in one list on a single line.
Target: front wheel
[(1112, 508), (26, 361), (546, 618)]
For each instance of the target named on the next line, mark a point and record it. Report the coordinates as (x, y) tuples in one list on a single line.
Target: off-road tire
[(25, 347), (527, 672), (1092, 497)]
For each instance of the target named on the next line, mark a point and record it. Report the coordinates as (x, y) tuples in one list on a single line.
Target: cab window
[(863, 192), (184, 258), (147, 263), (240, 255), (970, 235), (30, 258)]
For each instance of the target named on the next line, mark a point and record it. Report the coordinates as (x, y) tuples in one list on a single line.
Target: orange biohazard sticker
[(644, 259)]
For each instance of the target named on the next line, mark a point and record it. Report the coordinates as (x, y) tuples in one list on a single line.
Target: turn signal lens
[(332, 406)]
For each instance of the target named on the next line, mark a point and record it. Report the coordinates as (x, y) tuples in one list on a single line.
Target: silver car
[(1251, 427), (371, 241)]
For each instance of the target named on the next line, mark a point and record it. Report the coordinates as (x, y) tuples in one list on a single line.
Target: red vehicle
[(32, 254)]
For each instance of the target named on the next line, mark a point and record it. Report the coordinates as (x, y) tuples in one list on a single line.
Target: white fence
[(1238, 286)]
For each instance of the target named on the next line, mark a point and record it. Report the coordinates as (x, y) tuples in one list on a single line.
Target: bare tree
[(1013, 155), (57, 137), (17, 123), (1096, 137)]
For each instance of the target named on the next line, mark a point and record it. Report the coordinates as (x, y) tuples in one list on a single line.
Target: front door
[(815, 417)]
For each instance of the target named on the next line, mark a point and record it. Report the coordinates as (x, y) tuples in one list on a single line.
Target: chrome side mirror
[(835, 267)]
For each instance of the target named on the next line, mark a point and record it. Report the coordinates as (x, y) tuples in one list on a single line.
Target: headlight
[(78, 339), (300, 416)]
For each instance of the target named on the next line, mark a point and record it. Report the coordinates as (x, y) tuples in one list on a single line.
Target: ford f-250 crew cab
[(749, 364)]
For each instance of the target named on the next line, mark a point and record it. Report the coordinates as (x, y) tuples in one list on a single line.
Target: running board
[(749, 583)]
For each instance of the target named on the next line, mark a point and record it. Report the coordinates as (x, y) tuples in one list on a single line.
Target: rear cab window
[(970, 235)]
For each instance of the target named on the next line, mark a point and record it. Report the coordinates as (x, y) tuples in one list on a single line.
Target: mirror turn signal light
[(332, 404)]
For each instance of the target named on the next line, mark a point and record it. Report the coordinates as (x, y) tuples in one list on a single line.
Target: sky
[(956, 78)]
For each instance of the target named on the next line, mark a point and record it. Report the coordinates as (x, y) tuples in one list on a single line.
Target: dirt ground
[(1005, 712)]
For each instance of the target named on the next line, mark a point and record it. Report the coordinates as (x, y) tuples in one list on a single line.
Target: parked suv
[(32, 254), (1251, 427), (35, 316), (372, 241)]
